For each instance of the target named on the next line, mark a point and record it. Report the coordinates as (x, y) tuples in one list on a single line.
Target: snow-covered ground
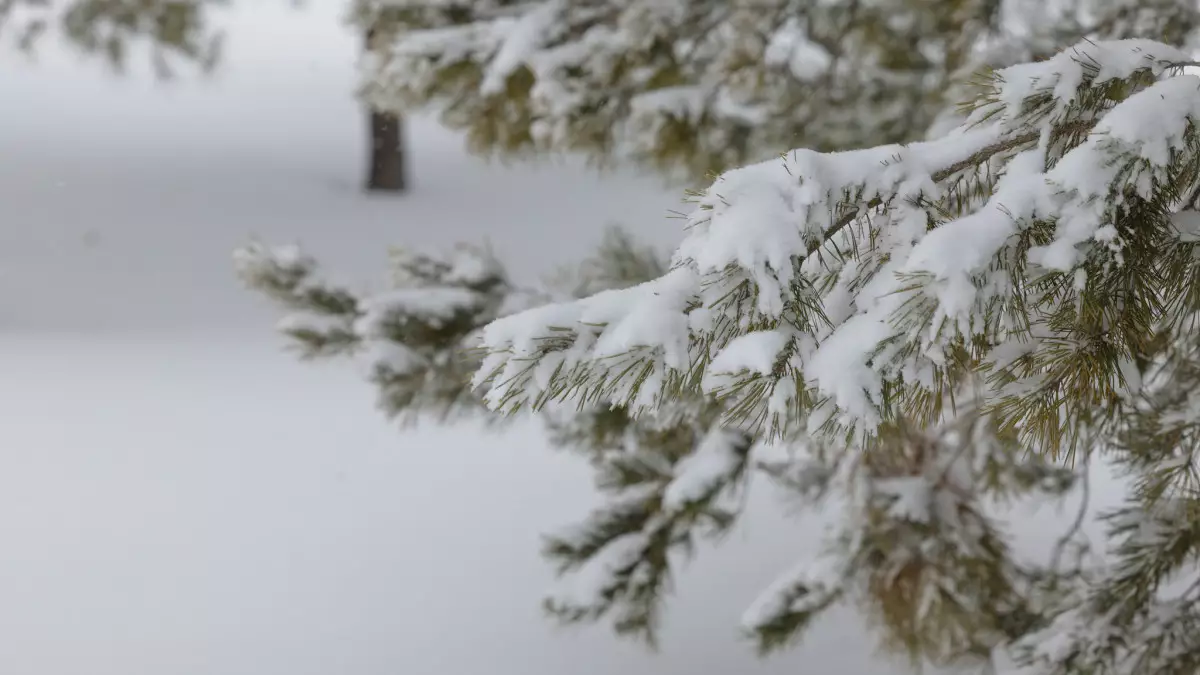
[(178, 496)]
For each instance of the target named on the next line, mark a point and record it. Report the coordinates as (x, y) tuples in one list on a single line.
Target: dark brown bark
[(387, 172)]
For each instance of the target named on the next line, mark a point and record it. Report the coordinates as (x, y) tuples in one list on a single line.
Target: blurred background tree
[(697, 86), (174, 32), (681, 88)]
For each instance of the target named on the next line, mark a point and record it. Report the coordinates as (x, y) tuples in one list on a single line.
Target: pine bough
[(687, 87), (929, 327)]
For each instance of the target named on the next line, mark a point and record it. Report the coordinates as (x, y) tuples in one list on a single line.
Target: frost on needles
[(928, 330)]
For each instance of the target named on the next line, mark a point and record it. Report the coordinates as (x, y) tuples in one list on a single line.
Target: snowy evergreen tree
[(176, 32), (692, 86), (914, 333)]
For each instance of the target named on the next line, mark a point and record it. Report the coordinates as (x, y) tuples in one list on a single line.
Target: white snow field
[(178, 496)]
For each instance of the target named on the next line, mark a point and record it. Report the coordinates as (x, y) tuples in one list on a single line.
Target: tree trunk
[(387, 169)]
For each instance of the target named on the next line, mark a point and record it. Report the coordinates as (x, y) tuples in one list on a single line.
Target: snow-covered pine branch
[(927, 328), (942, 321), (693, 86), (669, 479), (833, 292), (413, 341), (667, 487), (675, 476)]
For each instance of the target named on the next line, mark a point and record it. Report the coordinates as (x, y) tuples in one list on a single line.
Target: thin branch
[(1076, 525)]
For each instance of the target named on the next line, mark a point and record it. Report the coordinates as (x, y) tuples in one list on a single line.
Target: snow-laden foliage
[(938, 325), (834, 292), (927, 330), (411, 341), (692, 86), (913, 545)]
